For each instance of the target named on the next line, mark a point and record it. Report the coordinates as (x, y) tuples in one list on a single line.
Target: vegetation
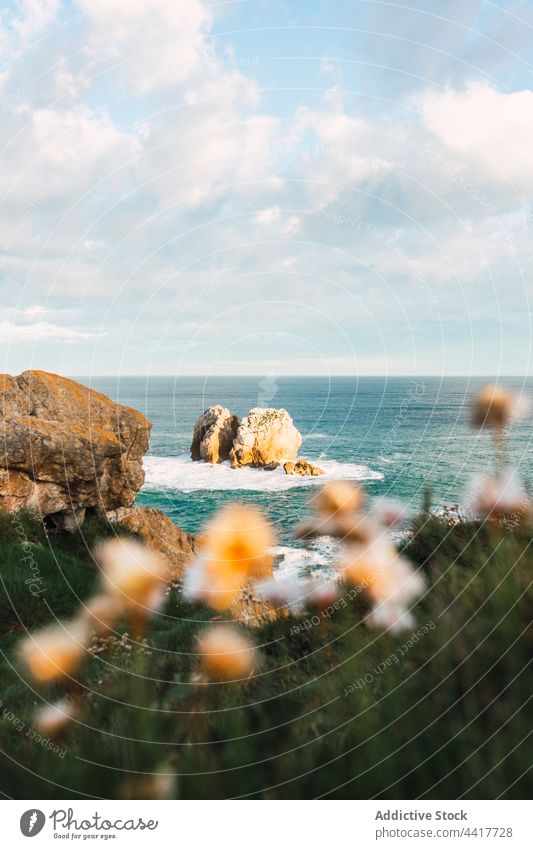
[(333, 708)]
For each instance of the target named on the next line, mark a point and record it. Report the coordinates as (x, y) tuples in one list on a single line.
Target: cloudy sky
[(300, 187)]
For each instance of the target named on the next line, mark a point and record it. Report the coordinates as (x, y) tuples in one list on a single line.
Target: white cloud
[(484, 128), (40, 331), (148, 44), (29, 19), (268, 215)]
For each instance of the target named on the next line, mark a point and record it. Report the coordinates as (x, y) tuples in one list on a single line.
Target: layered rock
[(213, 436), (265, 437), (302, 467), (176, 546), (66, 448)]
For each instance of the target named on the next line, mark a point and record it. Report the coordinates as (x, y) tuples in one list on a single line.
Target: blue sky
[(266, 187)]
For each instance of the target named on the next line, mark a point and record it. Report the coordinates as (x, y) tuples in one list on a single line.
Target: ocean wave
[(308, 436), (180, 474), (291, 562)]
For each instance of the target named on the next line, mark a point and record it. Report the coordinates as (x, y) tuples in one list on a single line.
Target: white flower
[(391, 617), (389, 512), (502, 494), (52, 719), (131, 571)]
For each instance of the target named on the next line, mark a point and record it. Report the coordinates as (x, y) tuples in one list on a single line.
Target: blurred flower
[(236, 551), (494, 406), (160, 785), (296, 594), (132, 573), (323, 594), (239, 536), (355, 527), (498, 495), (213, 582), (389, 512), (53, 719), (392, 617), (338, 498), (383, 574), (226, 653), (56, 651), (370, 567), (283, 592), (101, 612)]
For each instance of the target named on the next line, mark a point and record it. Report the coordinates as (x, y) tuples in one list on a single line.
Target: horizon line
[(261, 375)]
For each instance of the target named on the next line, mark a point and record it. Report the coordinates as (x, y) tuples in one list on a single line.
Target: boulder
[(66, 448), (304, 468), (213, 436), (176, 546), (264, 437)]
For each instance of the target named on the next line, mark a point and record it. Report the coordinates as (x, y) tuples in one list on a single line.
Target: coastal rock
[(67, 448), (264, 437), (176, 546), (252, 610), (213, 436), (304, 468)]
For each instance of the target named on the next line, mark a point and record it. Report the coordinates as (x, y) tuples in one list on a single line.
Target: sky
[(262, 187)]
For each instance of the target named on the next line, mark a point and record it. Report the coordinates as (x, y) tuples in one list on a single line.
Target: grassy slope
[(450, 716)]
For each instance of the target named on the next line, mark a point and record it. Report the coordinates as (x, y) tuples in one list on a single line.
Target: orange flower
[(235, 552), (338, 498), (55, 652), (226, 653), (239, 537)]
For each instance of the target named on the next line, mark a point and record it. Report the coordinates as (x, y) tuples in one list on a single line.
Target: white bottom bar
[(221, 824)]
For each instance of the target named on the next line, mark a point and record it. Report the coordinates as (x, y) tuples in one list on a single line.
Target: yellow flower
[(55, 652), (53, 719), (238, 538), (494, 406), (132, 572), (339, 498), (226, 653)]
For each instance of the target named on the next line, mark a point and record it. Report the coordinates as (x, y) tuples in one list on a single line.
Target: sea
[(396, 436)]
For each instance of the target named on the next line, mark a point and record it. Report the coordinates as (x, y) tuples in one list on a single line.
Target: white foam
[(292, 562), (180, 474)]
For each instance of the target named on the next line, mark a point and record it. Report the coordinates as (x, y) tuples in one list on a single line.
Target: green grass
[(337, 710)]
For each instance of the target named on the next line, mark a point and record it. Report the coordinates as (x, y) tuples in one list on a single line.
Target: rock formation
[(160, 534), (66, 448), (213, 436), (304, 468), (264, 437)]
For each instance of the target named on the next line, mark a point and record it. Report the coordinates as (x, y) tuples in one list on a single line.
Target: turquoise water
[(393, 434)]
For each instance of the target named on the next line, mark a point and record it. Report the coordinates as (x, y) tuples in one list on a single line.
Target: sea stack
[(214, 433), (265, 437)]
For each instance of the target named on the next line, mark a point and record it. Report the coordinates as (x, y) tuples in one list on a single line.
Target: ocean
[(394, 435)]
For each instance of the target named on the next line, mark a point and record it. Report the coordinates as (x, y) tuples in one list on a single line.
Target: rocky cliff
[(66, 448), (176, 546)]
